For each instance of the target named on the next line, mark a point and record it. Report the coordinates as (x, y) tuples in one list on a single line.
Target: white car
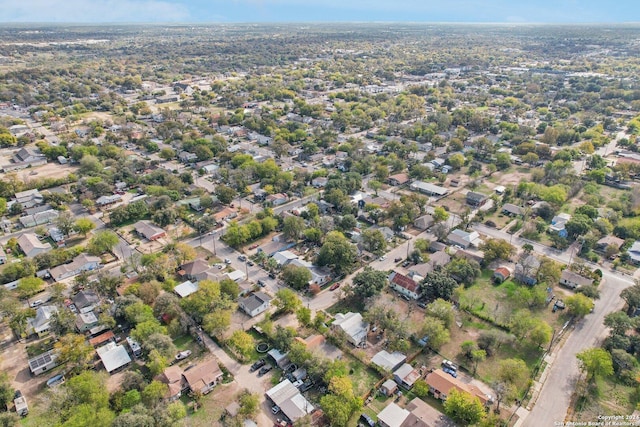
[(382, 258), (183, 354), (36, 303)]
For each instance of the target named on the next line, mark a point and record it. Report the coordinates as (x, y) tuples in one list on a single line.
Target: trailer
[(22, 408)]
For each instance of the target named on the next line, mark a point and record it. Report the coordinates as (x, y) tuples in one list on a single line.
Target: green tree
[(463, 408), (64, 222), (103, 241), (596, 362), (162, 343), (540, 334), (337, 252), (503, 161), (236, 235), (83, 226), (436, 332), (28, 286), (456, 161), (225, 194), (438, 284), (440, 214), (443, 310), (6, 391), (464, 270), (374, 241), (249, 404), (337, 410), (153, 393), (296, 276), (631, 295), (367, 283), (242, 342), (287, 301), (579, 305), (303, 314), (216, 322), (496, 249), (293, 227)]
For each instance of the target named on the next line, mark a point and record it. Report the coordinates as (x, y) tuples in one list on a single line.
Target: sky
[(238, 11)]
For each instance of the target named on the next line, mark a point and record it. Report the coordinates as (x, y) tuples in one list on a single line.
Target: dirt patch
[(50, 170)]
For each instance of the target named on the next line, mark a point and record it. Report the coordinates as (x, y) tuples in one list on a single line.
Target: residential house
[(43, 362), (423, 222), (389, 361), (277, 199), (29, 198), (103, 338), (185, 289), (634, 252), (319, 182), (226, 214), (404, 285), (204, 377), (526, 270), (103, 201), (80, 263), (440, 385), (291, 402), (31, 246), (254, 304), (393, 416), (194, 270), (113, 356), (436, 246), (573, 280), (46, 216), (606, 241), (424, 415), (86, 301), (398, 179), (186, 157), (437, 259), (512, 210), (387, 233), (406, 376), (172, 376), (318, 344), (284, 257), (86, 321), (464, 239), (558, 224), (40, 324), (28, 156), (428, 189), (501, 274), (149, 231), (389, 387), (354, 327), (476, 199), (236, 275), (319, 275)]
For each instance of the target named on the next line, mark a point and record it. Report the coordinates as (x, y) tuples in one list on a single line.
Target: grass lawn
[(500, 220), (362, 377), (611, 398)]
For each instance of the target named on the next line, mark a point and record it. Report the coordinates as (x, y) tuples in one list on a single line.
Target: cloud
[(91, 11)]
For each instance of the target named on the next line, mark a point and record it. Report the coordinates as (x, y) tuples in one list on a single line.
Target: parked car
[(242, 258), (382, 258), (406, 297), (334, 286), (275, 409), (36, 303), (17, 394), (272, 275), (261, 283), (406, 263), (257, 365), (454, 374), (306, 386), (298, 383), (227, 261), (183, 354), (397, 259), (264, 370), (449, 364), (422, 305), (250, 263), (366, 420), (253, 246)]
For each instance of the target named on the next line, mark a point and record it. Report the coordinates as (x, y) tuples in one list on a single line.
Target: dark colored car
[(257, 365), (334, 286), (264, 370), (366, 420)]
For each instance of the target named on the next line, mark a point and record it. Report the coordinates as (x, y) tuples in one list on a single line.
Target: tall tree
[(596, 362), (463, 408)]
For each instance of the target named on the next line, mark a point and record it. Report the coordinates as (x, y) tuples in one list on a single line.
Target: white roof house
[(388, 361), (40, 324), (236, 275), (284, 257), (31, 246), (393, 416), (113, 356), (185, 289), (463, 238), (353, 326), (292, 404)]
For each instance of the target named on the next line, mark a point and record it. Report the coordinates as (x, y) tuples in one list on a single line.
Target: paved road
[(554, 397)]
